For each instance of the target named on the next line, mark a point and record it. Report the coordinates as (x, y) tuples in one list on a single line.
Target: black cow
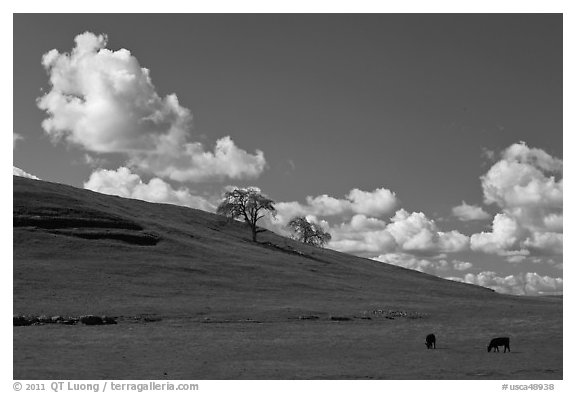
[(431, 341), (499, 342)]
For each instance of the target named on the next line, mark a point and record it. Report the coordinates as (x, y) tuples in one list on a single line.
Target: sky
[(430, 141)]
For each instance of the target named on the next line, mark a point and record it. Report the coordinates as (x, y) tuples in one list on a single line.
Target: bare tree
[(308, 233), (248, 204)]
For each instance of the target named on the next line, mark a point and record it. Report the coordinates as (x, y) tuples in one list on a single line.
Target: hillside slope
[(79, 252), (102, 248)]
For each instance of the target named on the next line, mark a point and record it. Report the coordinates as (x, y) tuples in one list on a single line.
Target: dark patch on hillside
[(57, 218), (136, 238), (80, 222)]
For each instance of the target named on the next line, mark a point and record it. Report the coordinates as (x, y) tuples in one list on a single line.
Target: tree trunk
[(254, 232)]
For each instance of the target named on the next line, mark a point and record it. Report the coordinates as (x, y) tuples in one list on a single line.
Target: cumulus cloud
[(547, 242), (189, 162), (436, 267), (363, 234), (104, 101), (374, 203), (366, 236), (505, 234), (520, 284), (415, 232), (19, 172), (527, 185), (465, 212), (122, 182), (406, 232), (520, 152)]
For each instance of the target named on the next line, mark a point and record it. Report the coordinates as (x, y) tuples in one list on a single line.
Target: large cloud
[(505, 234), (527, 185), (520, 284), (406, 232), (365, 236), (124, 183), (415, 232), (105, 102)]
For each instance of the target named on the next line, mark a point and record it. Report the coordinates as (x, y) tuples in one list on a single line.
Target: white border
[(301, 6)]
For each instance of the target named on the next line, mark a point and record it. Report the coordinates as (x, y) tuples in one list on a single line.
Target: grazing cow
[(499, 342), (431, 341)]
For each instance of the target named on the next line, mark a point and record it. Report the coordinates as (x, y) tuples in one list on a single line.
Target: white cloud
[(415, 232), (524, 177), (374, 203), (525, 186), (505, 234), (19, 172), (533, 156), (324, 205), (546, 241), (287, 210), (520, 284), (514, 184), (189, 162), (405, 233), (124, 183), (105, 102), (362, 236), (465, 212), (360, 222), (461, 265)]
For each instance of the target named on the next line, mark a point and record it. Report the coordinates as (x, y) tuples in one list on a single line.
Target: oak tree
[(248, 204), (307, 232)]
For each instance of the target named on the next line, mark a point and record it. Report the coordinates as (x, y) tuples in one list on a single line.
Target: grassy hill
[(195, 298)]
